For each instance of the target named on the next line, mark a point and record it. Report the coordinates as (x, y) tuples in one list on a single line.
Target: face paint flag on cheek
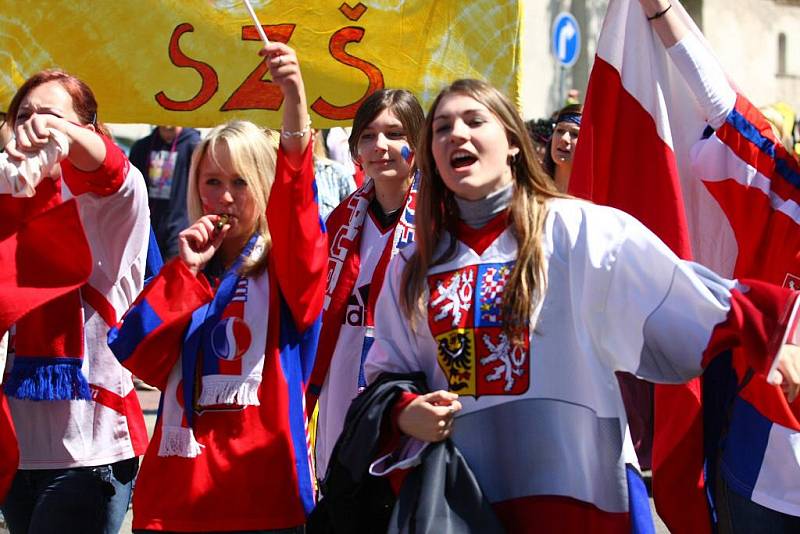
[(407, 154)]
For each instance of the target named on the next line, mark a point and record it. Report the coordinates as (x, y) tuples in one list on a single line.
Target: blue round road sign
[(566, 39)]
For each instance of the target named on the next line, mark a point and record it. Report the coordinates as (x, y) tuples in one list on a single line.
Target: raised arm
[(667, 24), (697, 65), (285, 71), (87, 150), (299, 244)]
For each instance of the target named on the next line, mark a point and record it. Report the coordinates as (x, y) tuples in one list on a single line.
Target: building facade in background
[(757, 42)]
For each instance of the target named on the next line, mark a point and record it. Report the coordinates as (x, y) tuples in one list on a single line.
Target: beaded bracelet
[(660, 13), (299, 133)]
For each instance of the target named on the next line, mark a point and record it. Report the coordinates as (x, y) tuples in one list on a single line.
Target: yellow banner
[(195, 63)]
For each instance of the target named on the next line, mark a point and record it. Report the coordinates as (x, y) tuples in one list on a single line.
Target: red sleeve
[(757, 321), (148, 340), (390, 439), (104, 181), (299, 243), (390, 432)]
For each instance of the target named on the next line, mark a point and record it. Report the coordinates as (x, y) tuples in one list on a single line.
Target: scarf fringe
[(219, 389), (35, 380), (178, 441)]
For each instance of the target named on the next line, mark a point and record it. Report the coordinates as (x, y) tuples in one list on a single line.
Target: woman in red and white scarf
[(73, 247), (228, 332), (364, 232)]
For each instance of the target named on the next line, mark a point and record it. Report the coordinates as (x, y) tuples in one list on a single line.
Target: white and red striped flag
[(729, 202)]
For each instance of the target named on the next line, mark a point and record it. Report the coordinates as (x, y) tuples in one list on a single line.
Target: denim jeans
[(81, 500), (737, 514)]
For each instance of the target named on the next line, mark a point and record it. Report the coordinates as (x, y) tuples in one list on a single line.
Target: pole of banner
[(259, 29)]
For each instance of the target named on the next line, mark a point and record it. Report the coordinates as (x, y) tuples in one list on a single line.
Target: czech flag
[(729, 201)]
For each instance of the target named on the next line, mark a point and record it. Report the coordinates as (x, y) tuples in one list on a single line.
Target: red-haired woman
[(78, 421)]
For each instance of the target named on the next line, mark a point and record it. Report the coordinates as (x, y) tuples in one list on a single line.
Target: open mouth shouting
[(462, 159)]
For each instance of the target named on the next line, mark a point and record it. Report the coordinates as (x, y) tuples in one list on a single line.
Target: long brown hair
[(83, 100), (437, 212)]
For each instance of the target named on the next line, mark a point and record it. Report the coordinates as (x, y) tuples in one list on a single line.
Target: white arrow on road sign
[(566, 39)]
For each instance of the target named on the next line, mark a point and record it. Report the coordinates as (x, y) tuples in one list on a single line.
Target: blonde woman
[(230, 439)]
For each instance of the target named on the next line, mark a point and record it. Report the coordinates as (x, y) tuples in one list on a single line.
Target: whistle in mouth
[(223, 220)]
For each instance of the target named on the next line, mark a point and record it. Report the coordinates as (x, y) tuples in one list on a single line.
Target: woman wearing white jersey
[(365, 231), (519, 305)]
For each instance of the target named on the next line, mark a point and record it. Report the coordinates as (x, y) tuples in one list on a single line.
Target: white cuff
[(407, 455), (20, 178)]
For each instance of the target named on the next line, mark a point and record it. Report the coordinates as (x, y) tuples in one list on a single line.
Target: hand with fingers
[(283, 66), (787, 373), (198, 243), (33, 134), (430, 417)]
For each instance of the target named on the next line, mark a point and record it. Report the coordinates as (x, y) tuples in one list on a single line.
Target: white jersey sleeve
[(646, 311)]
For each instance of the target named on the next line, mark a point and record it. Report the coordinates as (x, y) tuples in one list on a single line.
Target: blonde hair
[(320, 152), (438, 213), (253, 153)]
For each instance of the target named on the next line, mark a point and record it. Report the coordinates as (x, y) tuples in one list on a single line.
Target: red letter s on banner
[(179, 59)]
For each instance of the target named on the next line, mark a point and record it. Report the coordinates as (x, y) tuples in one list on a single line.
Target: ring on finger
[(280, 61)]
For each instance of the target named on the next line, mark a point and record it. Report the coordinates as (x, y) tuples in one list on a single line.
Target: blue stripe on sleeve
[(765, 145), (138, 323), (293, 346)]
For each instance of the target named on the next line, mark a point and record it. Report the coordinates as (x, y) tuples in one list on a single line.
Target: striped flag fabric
[(633, 153), (729, 202)]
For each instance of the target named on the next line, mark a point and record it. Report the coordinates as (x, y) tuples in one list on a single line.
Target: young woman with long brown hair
[(519, 304), (365, 231)]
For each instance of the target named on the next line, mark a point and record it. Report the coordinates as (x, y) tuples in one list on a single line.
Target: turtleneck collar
[(477, 213)]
